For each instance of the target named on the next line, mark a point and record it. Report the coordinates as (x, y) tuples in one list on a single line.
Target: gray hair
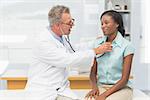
[(54, 15)]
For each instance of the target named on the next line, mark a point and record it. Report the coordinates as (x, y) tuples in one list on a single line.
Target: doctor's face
[(66, 23)]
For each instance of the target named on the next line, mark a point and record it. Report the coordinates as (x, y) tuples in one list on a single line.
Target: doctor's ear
[(57, 25)]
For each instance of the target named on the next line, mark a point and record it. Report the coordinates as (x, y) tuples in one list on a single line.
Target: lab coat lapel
[(59, 44)]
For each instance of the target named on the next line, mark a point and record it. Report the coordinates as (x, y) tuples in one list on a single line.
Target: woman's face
[(108, 25)]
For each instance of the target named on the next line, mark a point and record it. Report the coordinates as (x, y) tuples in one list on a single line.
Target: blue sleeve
[(129, 50)]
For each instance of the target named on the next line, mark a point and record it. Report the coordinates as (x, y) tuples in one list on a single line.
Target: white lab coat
[(49, 70)]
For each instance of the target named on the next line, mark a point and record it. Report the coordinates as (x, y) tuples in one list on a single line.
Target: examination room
[(74, 50)]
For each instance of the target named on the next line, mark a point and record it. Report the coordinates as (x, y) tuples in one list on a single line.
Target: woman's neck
[(111, 37)]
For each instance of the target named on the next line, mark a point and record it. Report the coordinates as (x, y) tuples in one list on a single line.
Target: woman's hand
[(92, 94), (101, 97)]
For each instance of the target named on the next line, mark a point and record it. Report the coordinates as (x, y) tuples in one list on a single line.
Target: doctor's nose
[(72, 22)]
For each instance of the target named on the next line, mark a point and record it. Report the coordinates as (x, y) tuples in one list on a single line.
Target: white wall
[(25, 18), (145, 31), (140, 69), (146, 36), (149, 77)]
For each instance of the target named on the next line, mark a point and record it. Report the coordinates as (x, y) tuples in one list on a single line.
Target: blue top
[(110, 64)]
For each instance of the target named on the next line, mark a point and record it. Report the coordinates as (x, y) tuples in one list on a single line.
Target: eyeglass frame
[(71, 23)]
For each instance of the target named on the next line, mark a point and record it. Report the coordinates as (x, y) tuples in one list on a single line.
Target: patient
[(110, 73)]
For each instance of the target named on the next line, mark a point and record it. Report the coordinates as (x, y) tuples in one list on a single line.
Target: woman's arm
[(127, 62), (93, 79), (93, 74)]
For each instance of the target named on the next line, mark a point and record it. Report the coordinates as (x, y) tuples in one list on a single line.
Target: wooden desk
[(76, 82), (17, 79), (79, 82), (15, 83)]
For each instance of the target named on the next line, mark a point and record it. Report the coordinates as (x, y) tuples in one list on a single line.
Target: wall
[(25, 18), (140, 69)]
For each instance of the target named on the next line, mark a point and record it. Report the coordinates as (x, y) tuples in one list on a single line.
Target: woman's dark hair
[(116, 16)]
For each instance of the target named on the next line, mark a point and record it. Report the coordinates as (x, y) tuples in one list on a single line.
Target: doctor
[(53, 54)]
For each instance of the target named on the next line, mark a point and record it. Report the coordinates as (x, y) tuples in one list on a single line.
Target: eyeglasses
[(70, 23)]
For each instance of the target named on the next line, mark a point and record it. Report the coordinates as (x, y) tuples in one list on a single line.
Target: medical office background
[(21, 20)]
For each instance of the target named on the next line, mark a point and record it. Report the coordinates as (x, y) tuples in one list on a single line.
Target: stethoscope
[(67, 39)]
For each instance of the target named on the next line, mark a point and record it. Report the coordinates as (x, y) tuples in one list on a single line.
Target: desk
[(14, 83), (17, 78), (76, 82)]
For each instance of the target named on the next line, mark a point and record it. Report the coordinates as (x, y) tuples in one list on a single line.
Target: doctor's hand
[(105, 47)]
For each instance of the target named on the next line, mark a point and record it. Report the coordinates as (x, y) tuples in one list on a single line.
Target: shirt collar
[(116, 42), (55, 36)]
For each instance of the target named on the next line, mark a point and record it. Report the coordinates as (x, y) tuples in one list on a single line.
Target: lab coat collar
[(59, 38)]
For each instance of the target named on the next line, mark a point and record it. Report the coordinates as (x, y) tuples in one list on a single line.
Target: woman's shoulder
[(128, 46), (126, 42)]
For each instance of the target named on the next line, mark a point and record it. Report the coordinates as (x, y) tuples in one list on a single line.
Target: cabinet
[(124, 8)]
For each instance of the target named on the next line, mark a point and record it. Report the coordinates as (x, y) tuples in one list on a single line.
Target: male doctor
[(53, 54)]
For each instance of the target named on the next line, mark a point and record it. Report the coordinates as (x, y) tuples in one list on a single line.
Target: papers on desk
[(3, 66), (73, 72)]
